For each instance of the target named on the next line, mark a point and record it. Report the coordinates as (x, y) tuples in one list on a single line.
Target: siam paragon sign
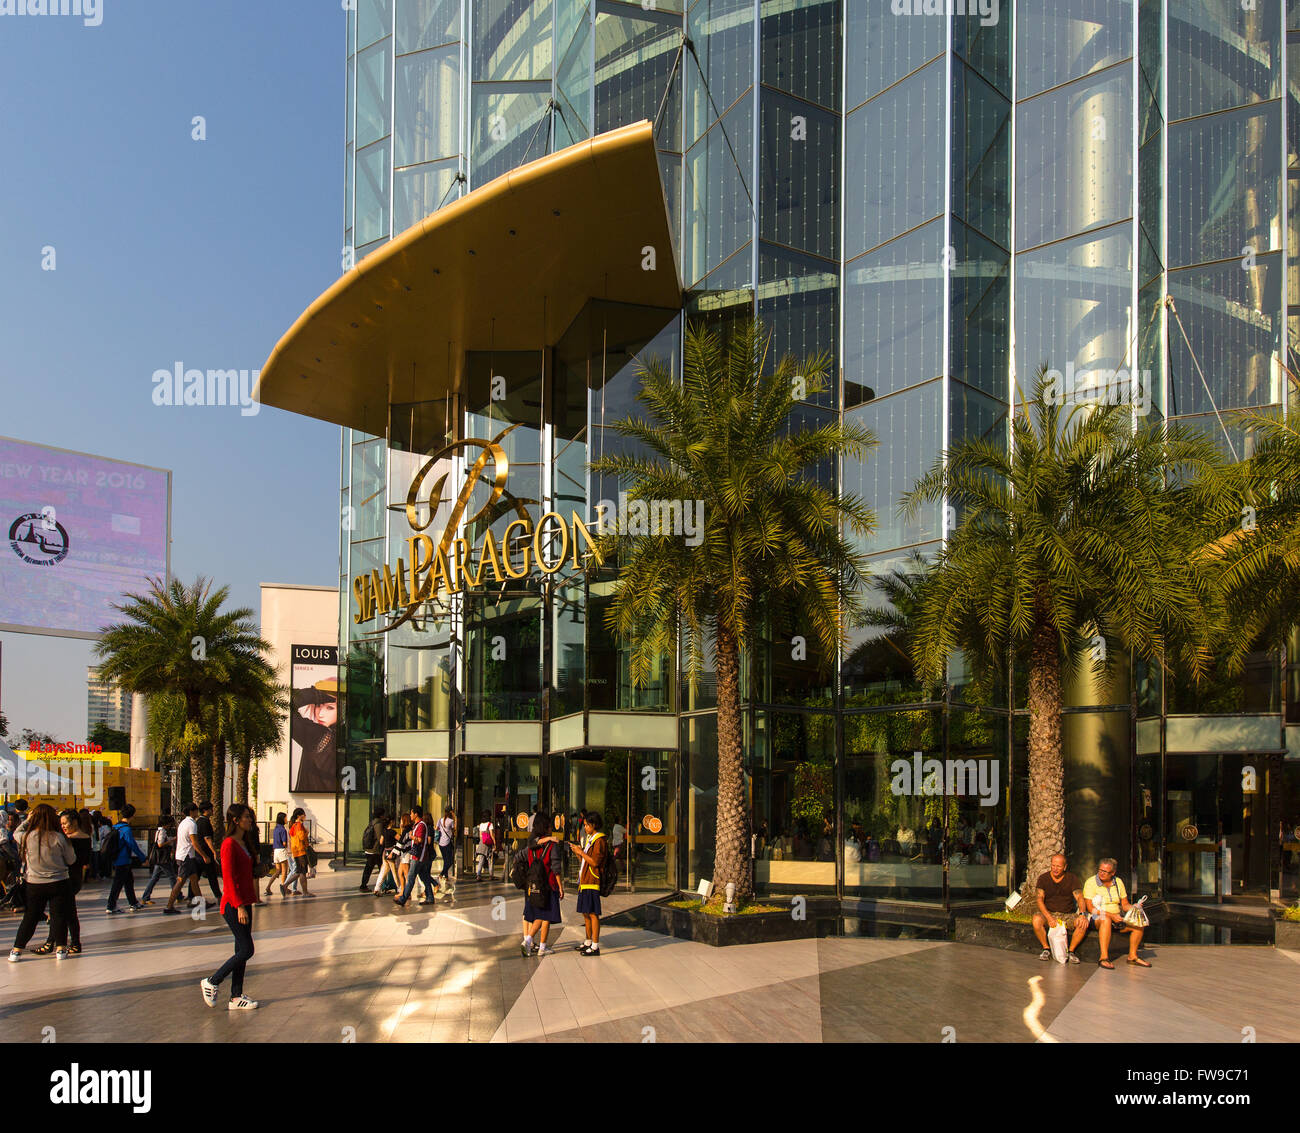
[(433, 571)]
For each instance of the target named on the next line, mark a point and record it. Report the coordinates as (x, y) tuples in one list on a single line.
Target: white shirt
[(617, 834), (187, 829)]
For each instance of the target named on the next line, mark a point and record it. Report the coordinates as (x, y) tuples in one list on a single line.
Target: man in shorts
[(1060, 901), (1107, 899)]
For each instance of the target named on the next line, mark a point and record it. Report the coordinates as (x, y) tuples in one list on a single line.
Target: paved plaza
[(346, 966)]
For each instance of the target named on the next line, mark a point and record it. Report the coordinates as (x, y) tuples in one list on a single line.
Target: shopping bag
[(1056, 941), (1136, 915)]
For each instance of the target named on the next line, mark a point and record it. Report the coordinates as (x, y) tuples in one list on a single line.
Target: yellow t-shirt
[(1110, 895)]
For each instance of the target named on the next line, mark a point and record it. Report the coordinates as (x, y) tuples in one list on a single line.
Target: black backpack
[(110, 844), (537, 879), (608, 872), (368, 839)]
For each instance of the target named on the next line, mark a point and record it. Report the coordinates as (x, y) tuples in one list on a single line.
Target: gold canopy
[(506, 267)]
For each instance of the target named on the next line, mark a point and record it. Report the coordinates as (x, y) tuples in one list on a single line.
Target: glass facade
[(942, 205)]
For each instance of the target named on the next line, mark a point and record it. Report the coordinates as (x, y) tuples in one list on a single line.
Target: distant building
[(106, 703)]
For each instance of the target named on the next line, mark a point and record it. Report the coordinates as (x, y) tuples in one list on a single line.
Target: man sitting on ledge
[(1106, 894), (1060, 900)]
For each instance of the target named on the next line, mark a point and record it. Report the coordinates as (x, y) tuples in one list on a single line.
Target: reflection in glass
[(799, 149), (798, 302), (893, 304), (981, 156), (426, 23), (374, 20), (881, 48), (508, 128), (503, 657), (373, 167), (374, 79), (721, 67), (512, 39), (719, 204), (801, 49), (422, 189), (1059, 42), (980, 278), (1224, 185), (887, 195), (1232, 318), (1074, 158), (427, 123), (1222, 55)]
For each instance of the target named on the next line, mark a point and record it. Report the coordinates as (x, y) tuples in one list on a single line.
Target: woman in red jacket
[(238, 896)]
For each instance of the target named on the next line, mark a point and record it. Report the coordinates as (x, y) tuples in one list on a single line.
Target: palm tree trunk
[(219, 785), (241, 781), (733, 862), (1046, 758), (177, 803)]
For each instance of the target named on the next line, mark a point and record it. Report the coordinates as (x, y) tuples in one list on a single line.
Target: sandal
[(1139, 961), (44, 950), (1106, 964), (74, 949)]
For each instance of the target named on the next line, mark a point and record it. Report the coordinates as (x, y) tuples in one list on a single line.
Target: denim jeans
[(234, 967), (420, 870), (165, 868)]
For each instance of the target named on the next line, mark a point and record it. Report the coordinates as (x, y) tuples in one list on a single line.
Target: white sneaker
[(15, 954), (209, 991), (242, 1003), (60, 953)]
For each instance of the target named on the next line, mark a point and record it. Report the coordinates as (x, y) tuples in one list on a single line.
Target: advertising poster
[(77, 532), (313, 719)]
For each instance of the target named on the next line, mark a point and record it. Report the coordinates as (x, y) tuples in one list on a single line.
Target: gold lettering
[(539, 542), (488, 551), (440, 571), (419, 564), (459, 563), (358, 592), (581, 528), (388, 590), (526, 525)]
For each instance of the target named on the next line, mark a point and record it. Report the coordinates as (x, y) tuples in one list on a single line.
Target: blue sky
[(170, 249)]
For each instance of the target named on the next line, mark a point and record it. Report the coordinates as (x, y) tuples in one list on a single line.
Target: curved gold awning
[(507, 267)]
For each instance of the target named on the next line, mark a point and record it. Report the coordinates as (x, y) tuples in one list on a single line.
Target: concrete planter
[(1286, 934), (721, 932), (1015, 936)]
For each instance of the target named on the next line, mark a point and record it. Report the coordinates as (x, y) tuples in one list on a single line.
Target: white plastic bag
[(1056, 941), (1136, 915)]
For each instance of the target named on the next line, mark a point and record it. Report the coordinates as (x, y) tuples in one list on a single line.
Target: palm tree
[(178, 639), (166, 715), (1087, 525), (771, 533)]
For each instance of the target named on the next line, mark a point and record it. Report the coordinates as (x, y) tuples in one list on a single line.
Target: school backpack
[(608, 872), (519, 870), (537, 887), (368, 839), (110, 844)]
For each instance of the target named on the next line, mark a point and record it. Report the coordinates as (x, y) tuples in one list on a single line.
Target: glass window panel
[(368, 498), (893, 325), (984, 42), (504, 677), (570, 15), (1221, 55), (880, 48), (509, 128), (1074, 164), (422, 189), (1233, 320), (1151, 65), (427, 123), (699, 742), (374, 89), (721, 68), (798, 301), (419, 681), (372, 202), (512, 39), (800, 46), (909, 429), (634, 61), (799, 149), (426, 23), (974, 417), (1074, 305), (1151, 341), (981, 156), (719, 212), (573, 82), (350, 18), (1058, 42), (374, 20), (980, 279), (1150, 199), (350, 105), (1293, 14), (1224, 177), (670, 173), (349, 180), (569, 649), (975, 818), (884, 198)]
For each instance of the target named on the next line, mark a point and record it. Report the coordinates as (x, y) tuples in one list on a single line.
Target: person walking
[(163, 853), (125, 854), (372, 845), (446, 830), (484, 848), (279, 854), (391, 857), (79, 839), (236, 910), (298, 840), (207, 843), (46, 855), (422, 839)]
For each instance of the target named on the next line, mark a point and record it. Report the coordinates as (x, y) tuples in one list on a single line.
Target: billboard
[(77, 532), (313, 719)]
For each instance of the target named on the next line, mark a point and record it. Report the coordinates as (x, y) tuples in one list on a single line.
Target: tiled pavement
[(347, 966)]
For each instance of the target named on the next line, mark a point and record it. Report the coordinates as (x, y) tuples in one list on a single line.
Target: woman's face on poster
[(325, 714)]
